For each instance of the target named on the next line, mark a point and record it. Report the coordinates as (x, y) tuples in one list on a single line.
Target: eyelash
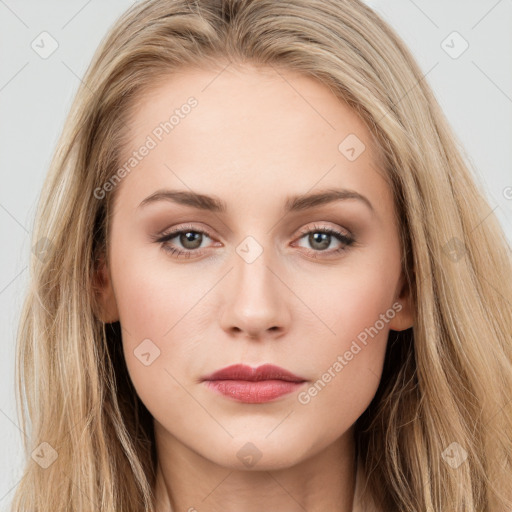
[(346, 240)]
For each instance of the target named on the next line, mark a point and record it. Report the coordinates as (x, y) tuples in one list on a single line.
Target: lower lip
[(253, 392)]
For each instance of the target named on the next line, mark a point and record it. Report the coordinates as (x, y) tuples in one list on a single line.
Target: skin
[(255, 137)]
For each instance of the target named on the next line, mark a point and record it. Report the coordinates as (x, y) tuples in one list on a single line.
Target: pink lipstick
[(253, 385)]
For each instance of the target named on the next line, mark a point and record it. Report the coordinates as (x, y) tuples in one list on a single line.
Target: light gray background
[(475, 91)]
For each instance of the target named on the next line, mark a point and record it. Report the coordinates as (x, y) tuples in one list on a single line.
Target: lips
[(253, 385), (244, 372)]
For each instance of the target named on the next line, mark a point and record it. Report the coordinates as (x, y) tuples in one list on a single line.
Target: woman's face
[(289, 255)]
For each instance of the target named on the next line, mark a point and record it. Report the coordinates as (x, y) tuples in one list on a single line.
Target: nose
[(256, 300)]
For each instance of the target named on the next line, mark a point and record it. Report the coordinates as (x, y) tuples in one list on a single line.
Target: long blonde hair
[(447, 381)]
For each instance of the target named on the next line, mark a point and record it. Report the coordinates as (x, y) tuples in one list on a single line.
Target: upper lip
[(263, 372)]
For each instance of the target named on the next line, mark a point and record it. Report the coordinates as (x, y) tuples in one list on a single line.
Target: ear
[(403, 306), (105, 301)]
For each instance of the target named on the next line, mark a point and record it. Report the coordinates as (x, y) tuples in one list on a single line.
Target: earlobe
[(404, 317), (105, 301)]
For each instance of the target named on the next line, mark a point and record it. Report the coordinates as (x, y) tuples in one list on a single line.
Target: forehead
[(243, 128)]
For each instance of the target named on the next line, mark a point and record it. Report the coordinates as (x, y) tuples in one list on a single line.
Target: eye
[(187, 241), (321, 238), (188, 237)]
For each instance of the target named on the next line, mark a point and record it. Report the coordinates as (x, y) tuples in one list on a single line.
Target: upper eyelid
[(183, 229), (316, 227)]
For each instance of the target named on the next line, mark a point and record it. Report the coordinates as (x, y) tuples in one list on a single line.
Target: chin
[(258, 455)]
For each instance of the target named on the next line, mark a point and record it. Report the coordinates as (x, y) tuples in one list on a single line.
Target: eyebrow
[(292, 203)]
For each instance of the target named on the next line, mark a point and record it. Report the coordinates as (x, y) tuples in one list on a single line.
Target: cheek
[(357, 305), (156, 306), (153, 293), (352, 299), (361, 302)]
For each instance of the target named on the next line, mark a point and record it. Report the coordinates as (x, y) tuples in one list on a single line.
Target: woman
[(268, 282)]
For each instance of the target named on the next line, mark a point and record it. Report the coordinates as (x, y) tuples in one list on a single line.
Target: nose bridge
[(252, 269), (254, 302)]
